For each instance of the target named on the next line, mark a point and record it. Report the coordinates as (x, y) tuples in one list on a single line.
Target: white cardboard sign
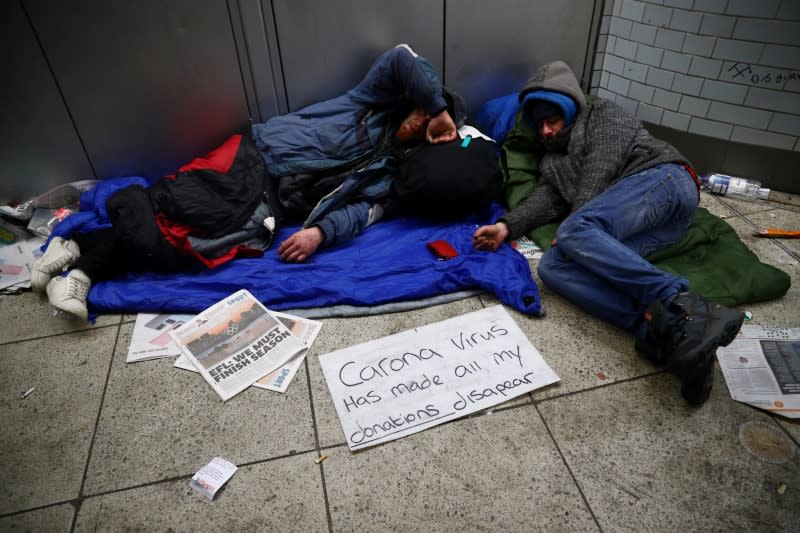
[(410, 381)]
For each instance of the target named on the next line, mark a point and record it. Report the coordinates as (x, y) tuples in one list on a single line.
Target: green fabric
[(716, 262)]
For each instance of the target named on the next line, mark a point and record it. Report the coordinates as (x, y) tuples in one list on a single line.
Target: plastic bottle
[(735, 187), (58, 215)]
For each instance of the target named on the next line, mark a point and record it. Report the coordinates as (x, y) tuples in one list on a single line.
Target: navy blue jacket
[(346, 131)]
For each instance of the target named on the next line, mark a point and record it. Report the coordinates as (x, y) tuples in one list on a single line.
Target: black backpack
[(448, 180)]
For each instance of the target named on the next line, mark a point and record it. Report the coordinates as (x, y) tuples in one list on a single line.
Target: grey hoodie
[(603, 145)]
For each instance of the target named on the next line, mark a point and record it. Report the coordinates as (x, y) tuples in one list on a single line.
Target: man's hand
[(490, 237), (301, 245), (441, 128)]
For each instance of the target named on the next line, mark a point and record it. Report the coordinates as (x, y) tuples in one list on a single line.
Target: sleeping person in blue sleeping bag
[(330, 164)]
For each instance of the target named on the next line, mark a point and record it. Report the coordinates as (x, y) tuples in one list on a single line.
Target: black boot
[(685, 338), (698, 382)]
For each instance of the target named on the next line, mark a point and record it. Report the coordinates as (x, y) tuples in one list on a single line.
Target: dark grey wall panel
[(39, 147), (257, 44), (327, 47), (493, 47), (149, 84)]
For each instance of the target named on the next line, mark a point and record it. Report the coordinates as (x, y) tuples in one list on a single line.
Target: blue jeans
[(599, 262)]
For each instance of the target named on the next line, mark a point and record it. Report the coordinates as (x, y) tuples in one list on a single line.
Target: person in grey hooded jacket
[(622, 195)]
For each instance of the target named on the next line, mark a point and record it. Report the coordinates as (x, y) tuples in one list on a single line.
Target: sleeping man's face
[(550, 126), (413, 127)]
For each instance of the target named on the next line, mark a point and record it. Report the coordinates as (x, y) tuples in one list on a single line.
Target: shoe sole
[(72, 309)]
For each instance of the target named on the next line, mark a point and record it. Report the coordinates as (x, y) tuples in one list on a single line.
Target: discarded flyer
[(278, 380), (18, 251), (527, 248), (398, 385), (236, 342), (762, 368), (209, 479), (151, 339)]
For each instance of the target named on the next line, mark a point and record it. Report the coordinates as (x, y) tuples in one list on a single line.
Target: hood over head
[(552, 81)]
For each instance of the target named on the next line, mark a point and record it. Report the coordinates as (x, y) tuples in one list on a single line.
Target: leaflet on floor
[(150, 338), (209, 479), (278, 380), (18, 251), (762, 368), (235, 342), (404, 383), (527, 248)]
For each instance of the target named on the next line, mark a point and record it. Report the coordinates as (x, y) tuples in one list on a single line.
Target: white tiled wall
[(728, 69)]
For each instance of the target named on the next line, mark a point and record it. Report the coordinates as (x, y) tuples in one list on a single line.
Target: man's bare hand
[(301, 245), (441, 128), (490, 237)]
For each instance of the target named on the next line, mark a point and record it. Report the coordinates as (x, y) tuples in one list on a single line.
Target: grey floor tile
[(28, 315), (46, 436), (497, 472), (782, 219), (159, 422), (782, 312), (715, 206), (742, 207), (770, 251), (791, 425), (646, 461), (338, 333), (52, 519), (583, 351), (280, 495)]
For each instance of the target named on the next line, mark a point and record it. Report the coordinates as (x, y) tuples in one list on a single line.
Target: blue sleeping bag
[(388, 262)]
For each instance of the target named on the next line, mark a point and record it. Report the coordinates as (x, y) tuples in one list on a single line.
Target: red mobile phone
[(442, 249)]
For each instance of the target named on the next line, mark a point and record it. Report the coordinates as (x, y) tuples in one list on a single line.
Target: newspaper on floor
[(151, 339), (398, 385), (278, 380), (208, 480), (18, 250), (236, 342), (762, 368), (527, 248)]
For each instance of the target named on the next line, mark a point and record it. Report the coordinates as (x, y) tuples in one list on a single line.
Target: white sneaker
[(68, 293), (59, 254)]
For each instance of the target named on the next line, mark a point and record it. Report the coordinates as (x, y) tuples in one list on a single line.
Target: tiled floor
[(103, 445)]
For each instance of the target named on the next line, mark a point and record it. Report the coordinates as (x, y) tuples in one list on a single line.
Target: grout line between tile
[(566, 465), (187, 476), (78, 502), (316, 446), (18, 341)]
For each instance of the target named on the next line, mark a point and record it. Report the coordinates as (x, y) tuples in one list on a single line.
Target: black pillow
[(448, 180)]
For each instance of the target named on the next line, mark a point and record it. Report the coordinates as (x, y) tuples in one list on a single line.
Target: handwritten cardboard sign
[(410, 381)]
